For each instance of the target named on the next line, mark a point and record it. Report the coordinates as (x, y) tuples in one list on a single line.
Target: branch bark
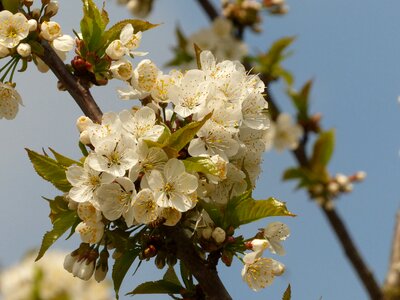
[(392, 282), (76, 89), (207, 277), (335, 221)]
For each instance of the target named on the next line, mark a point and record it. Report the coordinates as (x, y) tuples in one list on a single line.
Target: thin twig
[(210, 10), (336, 222), (392, 282), (77, 90)]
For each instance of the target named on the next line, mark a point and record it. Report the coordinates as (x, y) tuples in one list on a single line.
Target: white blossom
[(13, 28), (285, 134), (261, 272), (10, 100), (121, 69), (275, 233), (145, 208)]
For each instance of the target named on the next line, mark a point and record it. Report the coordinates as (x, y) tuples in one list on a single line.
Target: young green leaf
[(201, 165), (323, 150), (93, 25), (301, 99), (63, 160), (288, 293), (121, 266), (183, 136), (157, 287), (50, 170), (62, 219), (244, 209)]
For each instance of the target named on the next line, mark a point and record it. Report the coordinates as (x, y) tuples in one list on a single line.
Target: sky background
[(351, 50)]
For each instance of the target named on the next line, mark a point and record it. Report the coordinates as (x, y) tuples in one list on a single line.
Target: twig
[(336, 222), (77, 90), (207, 277), (392, 282), (210, 10)]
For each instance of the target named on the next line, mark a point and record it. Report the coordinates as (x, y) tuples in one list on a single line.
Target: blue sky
[(351, 50)]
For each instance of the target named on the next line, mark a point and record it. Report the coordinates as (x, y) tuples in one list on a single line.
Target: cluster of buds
[(243, 13), (138, 8), (339, 184), (276, 7), (82, 263)]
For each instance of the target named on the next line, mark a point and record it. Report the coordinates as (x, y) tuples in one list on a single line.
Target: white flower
[(128, 41), (149, 159), (286, 134), (254, 109), (190, 95), (50, 30), (115, 198), (145, 208), (91, 229), (275, 233), (9, 101), (260, 273), (121, 69), (160, 91), (13, 28), (173, 187), (141, 125), (113, 157), (24, 49), (213, 140), (109, 128), (143, 80), (63, 43), (85, 181)]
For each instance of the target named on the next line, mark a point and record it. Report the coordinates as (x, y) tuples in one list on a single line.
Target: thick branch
[(209, 9), (79, 92), (206, 275), (392, 282)]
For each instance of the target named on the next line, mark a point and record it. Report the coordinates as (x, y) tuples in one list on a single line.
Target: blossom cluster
[(135, 175), (19, 32), (47, 280)]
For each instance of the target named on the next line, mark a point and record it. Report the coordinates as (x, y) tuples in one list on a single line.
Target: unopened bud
[(35, 13), (149, 252), (100, 273), (24, 49), (51, 9), (28, 3), (45, 2), (333, 187), (341, 179), (83, 123), (83, 269), (69, 262), (348, 188), (218, 235), (32, 24), (360, 176), (206, 233)]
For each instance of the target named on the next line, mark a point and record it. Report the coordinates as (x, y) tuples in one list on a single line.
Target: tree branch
[(206, 275), (77, 90), (209, 9), (392, 282)]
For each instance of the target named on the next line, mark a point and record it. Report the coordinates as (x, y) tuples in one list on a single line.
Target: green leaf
[(305, 176), (93, 25), (83, 149), (114, 31), (301, 99), (201, 165), (50, 170), (323, 150), (214, 211), (121, 266), (157, 287), (170, 276), (62, 219), (183, 136), (244, 209), (288, 293), (11, 5), (63, 160)]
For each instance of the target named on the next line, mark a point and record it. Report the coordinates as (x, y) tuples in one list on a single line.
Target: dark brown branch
[(209, 9), (77, 90), (392, 282), (206, 275)]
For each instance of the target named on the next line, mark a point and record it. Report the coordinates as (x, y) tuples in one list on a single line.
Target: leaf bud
[(218, 235)]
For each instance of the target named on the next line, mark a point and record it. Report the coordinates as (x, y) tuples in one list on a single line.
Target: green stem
[(13, 69)]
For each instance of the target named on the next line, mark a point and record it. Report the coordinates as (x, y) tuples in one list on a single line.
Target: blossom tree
[(170, 179)]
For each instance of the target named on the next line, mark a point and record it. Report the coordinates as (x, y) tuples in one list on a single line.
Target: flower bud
[(50, 30), (83, 123), (360, 176), (333, 187), (100, 273), (69, 262), (24, 49), (4, 51), (45, 2), (218, 235), (28, 3), (259, 245), (149, 252), (35, 13), (51, 9), (83, 269), (32, 24), (206, 233)]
